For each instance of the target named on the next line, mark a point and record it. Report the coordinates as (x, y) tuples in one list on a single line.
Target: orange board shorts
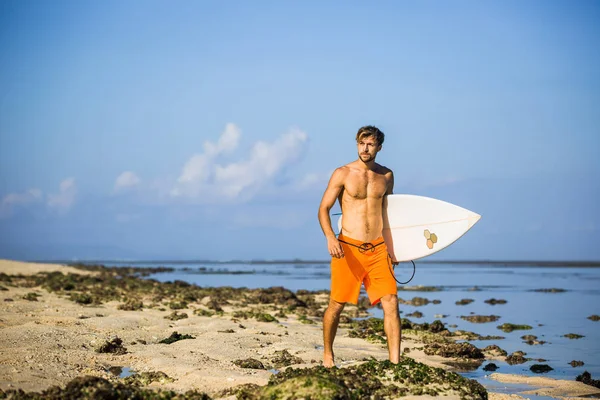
[(366, 263)]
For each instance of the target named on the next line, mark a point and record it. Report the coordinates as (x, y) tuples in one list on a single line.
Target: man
[(359, 254)]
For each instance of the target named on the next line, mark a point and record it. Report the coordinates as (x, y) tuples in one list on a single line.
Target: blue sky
[(209, 129)]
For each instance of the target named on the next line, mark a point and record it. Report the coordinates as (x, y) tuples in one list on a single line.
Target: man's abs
[(361, 218)]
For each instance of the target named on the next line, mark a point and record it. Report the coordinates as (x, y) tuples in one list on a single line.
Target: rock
[(416, 314), (540, 368), (480, 319), (415, 301), (91, 387), (175, 337), (573, 336), (283, 359), (586, 378), (495, 350), (493, 301), (146, 378), (490, 367), (594, 317), (115, 346), (518, 357), (552, 290), (131, 305), (249, 363), (508, 327), (575, 363), (450, 349), (175, 316), (464, 302)]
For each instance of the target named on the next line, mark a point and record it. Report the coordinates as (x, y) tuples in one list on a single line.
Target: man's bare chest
[(365, 186)]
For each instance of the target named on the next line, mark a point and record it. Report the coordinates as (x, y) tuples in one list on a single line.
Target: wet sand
[(52, 340)]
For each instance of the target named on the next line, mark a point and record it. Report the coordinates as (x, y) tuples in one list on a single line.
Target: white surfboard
[(418, 226)]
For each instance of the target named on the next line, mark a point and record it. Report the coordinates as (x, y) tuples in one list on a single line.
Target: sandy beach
[(49, 339)]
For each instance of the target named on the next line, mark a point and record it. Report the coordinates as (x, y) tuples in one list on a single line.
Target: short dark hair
[(368, 131)]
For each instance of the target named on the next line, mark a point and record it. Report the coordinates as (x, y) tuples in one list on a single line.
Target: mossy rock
[(573, 336), (31, 296), (114, 346), (175, 337), (250, 363), (373, 379), (306, 387), (146, 378), (93, 388), (175, 316), (131, 305), (508, 327)]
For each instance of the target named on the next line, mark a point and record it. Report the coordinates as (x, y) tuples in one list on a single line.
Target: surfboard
[(416, 226)]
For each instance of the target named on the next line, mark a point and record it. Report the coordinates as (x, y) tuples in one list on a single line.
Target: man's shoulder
[(384, 170)]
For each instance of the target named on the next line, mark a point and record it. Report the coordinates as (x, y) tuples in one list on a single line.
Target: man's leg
[(331, 319), (391, 325)]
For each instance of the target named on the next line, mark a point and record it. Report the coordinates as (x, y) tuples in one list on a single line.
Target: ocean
[(565, 309)]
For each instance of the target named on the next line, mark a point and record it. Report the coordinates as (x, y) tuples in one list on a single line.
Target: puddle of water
[(274, 371), (126, 372)]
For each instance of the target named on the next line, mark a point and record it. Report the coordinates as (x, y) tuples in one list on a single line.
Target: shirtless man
[(359, 254)]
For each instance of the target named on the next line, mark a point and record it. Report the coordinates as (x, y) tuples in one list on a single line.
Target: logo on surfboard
[(431, 238)]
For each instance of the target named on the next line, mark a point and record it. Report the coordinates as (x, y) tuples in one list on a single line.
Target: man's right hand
[(335, 248)]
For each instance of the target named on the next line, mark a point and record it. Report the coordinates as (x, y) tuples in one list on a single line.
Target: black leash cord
[(394, 276), (370, 247)]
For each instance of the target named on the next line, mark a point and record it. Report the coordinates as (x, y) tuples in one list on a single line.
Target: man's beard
[(365, 157)]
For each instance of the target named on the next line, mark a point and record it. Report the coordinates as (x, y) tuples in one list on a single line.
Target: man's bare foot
[(328, 361)]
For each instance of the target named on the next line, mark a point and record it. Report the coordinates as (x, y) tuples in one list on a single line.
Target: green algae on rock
[(175, 316), (480, 319), (573, 336), (373, 379), (92, 388), (250, 363), (114, 346), (495, 350), (494, 301), (175, 337), (146, 378), (508, 327), (131, 305), (451, 349), (464, 302), (518, 357), (283, 358), (31, 296)]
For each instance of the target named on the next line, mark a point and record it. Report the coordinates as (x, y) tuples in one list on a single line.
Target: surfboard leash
[(371, 247), (390, 265)]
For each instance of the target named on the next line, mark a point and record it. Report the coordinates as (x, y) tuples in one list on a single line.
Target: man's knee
[(335, 307), (389, 303)]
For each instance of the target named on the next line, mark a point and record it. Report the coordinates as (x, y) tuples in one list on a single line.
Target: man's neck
[(369, 165)]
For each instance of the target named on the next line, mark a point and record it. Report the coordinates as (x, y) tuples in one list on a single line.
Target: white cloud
[(126, 180), (65, 198), (198, 168), (17, 199), (204, 178), (266, 160)]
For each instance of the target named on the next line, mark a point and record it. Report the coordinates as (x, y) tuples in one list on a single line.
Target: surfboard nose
[(473, 219)]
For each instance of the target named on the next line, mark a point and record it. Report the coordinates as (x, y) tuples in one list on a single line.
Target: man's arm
[(334, 188), (387, 236)]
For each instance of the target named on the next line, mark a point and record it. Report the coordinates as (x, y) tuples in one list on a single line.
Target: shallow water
[(551, 315)]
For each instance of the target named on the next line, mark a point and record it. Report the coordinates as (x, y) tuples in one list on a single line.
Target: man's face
[(368, 148)]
